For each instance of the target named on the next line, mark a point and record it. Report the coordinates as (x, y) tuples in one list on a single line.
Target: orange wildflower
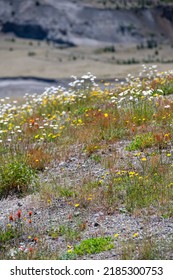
[(36, 239)]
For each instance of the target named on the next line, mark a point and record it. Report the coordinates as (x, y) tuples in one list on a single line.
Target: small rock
[(76, 214), (96, 224), (19, 204), (62, 163)]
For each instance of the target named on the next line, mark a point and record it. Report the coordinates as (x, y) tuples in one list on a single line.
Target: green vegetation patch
[(7, 235), (94, 246), (15, 177), (141, 141)]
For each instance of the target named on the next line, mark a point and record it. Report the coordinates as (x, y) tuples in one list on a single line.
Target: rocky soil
[(147, 224)]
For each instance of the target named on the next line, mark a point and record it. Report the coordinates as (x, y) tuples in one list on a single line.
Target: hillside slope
[(78, 23)]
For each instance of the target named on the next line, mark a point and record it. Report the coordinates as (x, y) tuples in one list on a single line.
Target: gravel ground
[(93, 222), (97, 224)]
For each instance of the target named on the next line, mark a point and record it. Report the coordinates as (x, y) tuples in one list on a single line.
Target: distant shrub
[(31, 53), (37, 3), (109, 49), (151, 44)]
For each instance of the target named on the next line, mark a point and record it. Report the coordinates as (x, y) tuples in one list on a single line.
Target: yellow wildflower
[(77, 205)]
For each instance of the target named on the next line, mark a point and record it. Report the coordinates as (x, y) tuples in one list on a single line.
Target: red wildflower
[(11, 218), (133, 129), (19, 214), (30, 213), (30, 249), (29, 221)]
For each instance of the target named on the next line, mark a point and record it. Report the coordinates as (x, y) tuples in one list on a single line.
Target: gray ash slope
[(74, 22)]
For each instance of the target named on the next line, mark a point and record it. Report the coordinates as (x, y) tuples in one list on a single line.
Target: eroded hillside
[(87, 22)]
